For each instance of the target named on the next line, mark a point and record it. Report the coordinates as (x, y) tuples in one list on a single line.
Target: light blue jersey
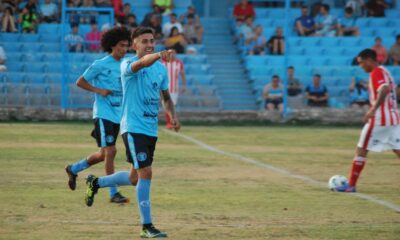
[(141, 99), (105, 74)]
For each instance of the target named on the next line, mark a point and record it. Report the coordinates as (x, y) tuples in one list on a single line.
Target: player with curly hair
[(103, 78)]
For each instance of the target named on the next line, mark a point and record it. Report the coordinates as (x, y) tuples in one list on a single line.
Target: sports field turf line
[(281, 171)]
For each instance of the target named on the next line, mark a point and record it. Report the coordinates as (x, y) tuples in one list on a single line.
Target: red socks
[(357, 167)]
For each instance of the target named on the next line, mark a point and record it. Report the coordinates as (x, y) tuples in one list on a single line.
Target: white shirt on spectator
[(168, 26), (48, 10)]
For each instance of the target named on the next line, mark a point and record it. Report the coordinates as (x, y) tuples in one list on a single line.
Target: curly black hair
[(111, 37)]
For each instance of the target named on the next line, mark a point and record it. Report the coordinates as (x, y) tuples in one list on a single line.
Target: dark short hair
[(113, 36), (398, 37), (172, 14), (348, 10), (317, 75), (140, 31), (290, 67), (74, 24), (304, 6), (93, 22), (190, 15), (172, 30), (275, 76), (367, 53), (378, 38), (326, 6), (132, 15)]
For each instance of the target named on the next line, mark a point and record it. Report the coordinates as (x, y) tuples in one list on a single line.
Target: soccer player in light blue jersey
[(143, 79), (103, 78)]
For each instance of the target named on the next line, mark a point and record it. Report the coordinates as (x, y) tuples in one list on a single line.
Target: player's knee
[(145, 173), (110, 151)]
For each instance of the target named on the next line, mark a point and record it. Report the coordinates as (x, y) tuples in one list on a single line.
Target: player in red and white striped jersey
[(382, 122), (175, 69)]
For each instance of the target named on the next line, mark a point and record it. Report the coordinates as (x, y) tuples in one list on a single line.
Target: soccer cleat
[(152, 232), (118, 198), (346, 188), (71, 178), (91, 190)]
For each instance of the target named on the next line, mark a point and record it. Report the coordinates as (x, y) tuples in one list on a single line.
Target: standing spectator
[(359, 94), (49, 11), (166, 6), (131, 22), (273, 95), (293, 83), (172, 23), (175, 70), (381, 53), (276, 43), (376, 8), (347, 25), (74, 40), (256, 42), (103, 3), (193, 32), (243, 10), (93, 38), (119, 10), (3, 59), (28, 20), (156, 11), (317, 94), (326, 24), (176, 41), (305, 25), (395, 52), (357, 6), (8, 21)]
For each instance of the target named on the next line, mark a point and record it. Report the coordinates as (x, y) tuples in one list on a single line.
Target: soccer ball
[(337, 181)]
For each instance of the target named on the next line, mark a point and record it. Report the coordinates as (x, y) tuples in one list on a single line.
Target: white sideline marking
[(281, 171)]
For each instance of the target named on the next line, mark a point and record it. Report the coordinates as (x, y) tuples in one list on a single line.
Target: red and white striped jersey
[(387, 114), (174, 69)]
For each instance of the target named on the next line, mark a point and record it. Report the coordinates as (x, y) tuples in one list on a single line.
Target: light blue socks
[(143, 199)]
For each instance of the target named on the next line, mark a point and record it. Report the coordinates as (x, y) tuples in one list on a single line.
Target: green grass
[(197, 194)]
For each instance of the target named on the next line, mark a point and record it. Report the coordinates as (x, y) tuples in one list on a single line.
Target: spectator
[(8, 21), (93, 38), (190, 11), (49, 12), (395, 52), (127, 11), (119, 11), (273, 95), (317, 94), (381, 53), (3, 59), (74, 40), (87, 17), (173, 23), (276, 44), (347, 25), (166, 6), (28, 20), (31, 6), (357, 6), (326, 24), (131, 22), (256, 42), (103, 3), (193, 32), (176, 41), (305, 25), (243, 10), (293, 83), (147, 18), (376, 8), (155, 24), (245, 30), (359, 94)]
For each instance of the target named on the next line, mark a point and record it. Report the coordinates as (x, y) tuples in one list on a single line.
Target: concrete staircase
[(233, 86)]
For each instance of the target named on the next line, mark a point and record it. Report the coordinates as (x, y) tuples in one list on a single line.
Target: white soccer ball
[(337, 181)]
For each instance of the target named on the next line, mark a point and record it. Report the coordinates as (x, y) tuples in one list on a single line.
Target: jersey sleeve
[(126, 67), (164, 83), (91, 72), (377, 79)]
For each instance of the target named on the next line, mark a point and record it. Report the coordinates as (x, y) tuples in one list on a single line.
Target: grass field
[(198, 194)]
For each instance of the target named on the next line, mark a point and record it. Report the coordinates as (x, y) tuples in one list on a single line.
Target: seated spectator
[(381, 53), (193, 51), (190, 11), (8, 21), (359, 94), (103, 3), (244, 31), (155, 24), (176, 41), (3, 59), (156, 11), (131, 22), (32, 6), (49, 12), (347, 25), (73, 40), (273, 95), (87, 17), (357, 6), (317, 94), (376, 8), (305, 25), (166, 6), (243, 10), (127, 11), (93, 38), (255, 44), (193, 32), (326, 24), (28, 20), (276, 44), (395, 52), (293, 83), (119, 11), (166, 29)]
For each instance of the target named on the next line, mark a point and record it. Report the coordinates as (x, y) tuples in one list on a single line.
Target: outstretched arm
[(170, 109), (149, 59), (82, 83)]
